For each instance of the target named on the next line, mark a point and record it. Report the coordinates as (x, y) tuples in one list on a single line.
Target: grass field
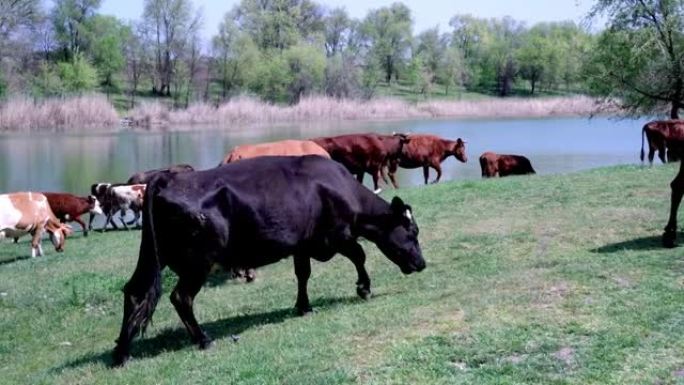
[(530, 280)]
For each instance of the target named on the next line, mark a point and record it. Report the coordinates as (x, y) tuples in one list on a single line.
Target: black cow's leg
[(376, 179), (302, 266), (670, 234), (426, 173), (182, 299), (90, 221), (437, 168), (359, 177), (357, 256), (651, 153)]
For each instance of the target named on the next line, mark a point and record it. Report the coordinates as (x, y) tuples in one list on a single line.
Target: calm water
[(60, 162)]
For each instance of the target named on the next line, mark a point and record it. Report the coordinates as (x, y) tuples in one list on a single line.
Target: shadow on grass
[(638, 244), (178, 338), (15, 259)]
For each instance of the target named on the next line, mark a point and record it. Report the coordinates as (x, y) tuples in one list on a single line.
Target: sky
[(426, 13)]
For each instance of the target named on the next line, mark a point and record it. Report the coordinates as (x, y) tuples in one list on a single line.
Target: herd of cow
[(266, 202)]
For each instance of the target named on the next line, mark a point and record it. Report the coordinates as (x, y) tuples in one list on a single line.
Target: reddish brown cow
[(657, 134), (427, 151), (69, 207), (504, 165), (281, 148), (364, 153)]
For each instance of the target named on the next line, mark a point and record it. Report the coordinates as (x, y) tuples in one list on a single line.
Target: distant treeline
[(278, 50)]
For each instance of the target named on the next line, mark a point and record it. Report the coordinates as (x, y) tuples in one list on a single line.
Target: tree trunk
[(674, 112), (533, 83)]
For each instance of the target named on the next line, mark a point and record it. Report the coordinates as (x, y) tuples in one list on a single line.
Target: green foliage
[(388, 31), (637, 60), (106, 35), (271, 77), (3, 85), (70, 19), (77, 75), (306, 64), (236, 56), (47, 82)]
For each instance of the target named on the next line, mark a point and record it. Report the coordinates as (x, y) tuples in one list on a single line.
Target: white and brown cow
[(29, 213), (119, 198)]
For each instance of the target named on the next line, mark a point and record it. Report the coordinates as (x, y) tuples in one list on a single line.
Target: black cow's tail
[(143, 290), (643, 133)]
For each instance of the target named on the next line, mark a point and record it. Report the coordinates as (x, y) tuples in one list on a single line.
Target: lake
[(72, 162)]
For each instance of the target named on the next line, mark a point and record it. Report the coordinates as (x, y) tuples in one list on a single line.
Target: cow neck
[(369, 219)]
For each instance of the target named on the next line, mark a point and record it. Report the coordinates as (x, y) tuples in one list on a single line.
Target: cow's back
[(23, 210), (420, 148), (281, 148)]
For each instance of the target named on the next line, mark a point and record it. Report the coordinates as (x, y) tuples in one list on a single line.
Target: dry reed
[(57, 115), (241, 111)]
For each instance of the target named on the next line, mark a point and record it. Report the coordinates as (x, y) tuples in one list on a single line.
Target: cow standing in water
[(658, 133), (364, 153), (504, 165), (281, 148), (29, 213), (427, 151), (253, 213)]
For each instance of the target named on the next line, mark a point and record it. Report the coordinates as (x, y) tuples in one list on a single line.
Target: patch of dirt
[(460, 365), (623, 282), (678, 373), (515, 358), (566, 355)]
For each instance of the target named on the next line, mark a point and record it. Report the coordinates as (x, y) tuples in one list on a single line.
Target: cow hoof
[(85, 233), (206, 344), (669, 238), (363, 293), (119, 360), (302, 312)]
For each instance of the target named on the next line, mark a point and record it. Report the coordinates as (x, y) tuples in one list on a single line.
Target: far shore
[(95, 112)]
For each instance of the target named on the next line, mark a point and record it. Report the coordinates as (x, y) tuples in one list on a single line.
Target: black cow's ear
[(397, 205)]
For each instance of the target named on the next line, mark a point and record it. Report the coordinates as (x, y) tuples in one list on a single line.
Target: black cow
[(252, 213), (144, 176)]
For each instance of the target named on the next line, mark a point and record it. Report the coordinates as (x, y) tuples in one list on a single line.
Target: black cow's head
[(396, 235)]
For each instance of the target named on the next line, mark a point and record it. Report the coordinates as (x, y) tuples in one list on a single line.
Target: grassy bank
[(567, 285), (96, 112)]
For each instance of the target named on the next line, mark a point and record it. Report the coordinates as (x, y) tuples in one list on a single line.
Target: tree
[(236, 55), (77, 75), (136, 57), (106, 36), (46, 82), (15, 14), (278, 24), (170, 23), (638, 58), (307, 70), (388, 32), (431, 47), (69, 18), (337, 27), (451, 71)]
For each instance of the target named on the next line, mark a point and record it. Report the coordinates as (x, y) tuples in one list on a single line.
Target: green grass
[(530, 280)]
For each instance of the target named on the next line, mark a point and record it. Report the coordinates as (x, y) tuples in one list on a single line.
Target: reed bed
[(58, 115), (241, 111)]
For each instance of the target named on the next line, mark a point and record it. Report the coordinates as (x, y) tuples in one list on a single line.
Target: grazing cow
[(253, 213), (657, 134), (29, 213), (504, 165), (427, 151), (364, 153), (144, 176), (281, 148)]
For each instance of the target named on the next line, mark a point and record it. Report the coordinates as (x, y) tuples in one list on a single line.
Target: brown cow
[(144, 176), (281, 148), (364, 153), (69, 207), (29, 213), (427, 151), (504, 165), (657, 133)]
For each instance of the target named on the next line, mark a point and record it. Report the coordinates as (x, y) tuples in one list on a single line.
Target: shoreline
[(95, 112)]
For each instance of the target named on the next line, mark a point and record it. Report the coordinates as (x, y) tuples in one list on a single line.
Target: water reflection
[(59, 162)]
